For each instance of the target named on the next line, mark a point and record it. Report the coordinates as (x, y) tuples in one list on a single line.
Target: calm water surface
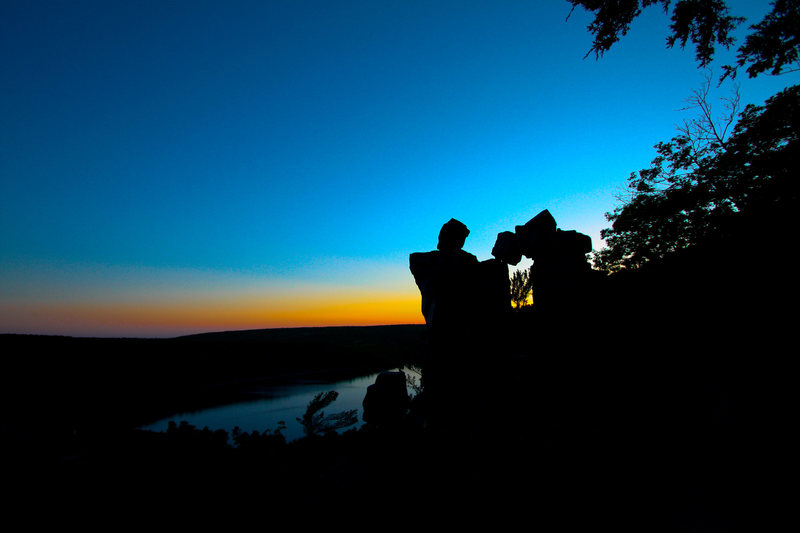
[(277, 403)]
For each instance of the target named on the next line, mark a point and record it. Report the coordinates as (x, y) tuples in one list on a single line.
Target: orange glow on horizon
[(198, 315)]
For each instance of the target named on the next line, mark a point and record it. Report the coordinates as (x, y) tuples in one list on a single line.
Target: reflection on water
[(274, 404)]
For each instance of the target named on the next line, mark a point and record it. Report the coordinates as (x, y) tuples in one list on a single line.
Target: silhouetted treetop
[(705, 22), (521, 285), (774, 43)]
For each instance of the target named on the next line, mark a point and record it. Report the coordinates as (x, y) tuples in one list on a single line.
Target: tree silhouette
[(774, 43), (771, 46), (713, 175), (521, 285), (315, 422), (703, 183)]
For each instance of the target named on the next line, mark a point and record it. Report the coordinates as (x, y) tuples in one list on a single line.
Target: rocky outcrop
[(560, 270), (447, 278), (460, 292)]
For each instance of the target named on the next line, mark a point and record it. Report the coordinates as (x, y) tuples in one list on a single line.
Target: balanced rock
[(535, 236), (506, 248), (444, 277), (572, 243), (452, 235)]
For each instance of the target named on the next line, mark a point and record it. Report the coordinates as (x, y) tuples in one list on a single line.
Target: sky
[(175, 167)]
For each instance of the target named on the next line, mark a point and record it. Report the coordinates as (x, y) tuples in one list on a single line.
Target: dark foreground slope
[(657, 405)]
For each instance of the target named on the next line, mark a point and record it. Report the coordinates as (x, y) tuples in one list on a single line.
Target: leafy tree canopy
[(774, 42), (704, 183), (717, 172), (771, 46)]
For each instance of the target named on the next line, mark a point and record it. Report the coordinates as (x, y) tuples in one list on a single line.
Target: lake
[(275, 403)]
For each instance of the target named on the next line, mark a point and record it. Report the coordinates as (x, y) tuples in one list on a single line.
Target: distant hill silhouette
[(53, 385)]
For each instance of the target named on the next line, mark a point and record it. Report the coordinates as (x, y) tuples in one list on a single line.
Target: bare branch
[(705, 131)]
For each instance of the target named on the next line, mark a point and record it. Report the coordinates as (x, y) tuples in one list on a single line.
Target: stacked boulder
[(445, 278), (467, 305), (458, 290), (560, 268)]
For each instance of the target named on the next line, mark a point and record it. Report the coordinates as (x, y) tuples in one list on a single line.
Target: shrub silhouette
[(315, 422)]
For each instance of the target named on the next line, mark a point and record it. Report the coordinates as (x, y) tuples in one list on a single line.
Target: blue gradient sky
[(171, 167)]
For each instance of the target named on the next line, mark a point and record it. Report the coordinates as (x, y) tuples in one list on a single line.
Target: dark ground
[(661, 404)]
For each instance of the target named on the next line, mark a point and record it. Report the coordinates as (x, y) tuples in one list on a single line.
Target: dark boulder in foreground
[(387, 399)]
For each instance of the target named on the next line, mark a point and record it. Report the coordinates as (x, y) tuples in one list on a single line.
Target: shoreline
[(80, 382)]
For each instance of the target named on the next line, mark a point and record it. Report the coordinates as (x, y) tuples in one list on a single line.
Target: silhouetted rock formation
[(443, 277), (459, 292), (506, 248), (467, 306), (452, 236), (464, 302), (534, 235), (560, 272), (492, 298), (386, 400)]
